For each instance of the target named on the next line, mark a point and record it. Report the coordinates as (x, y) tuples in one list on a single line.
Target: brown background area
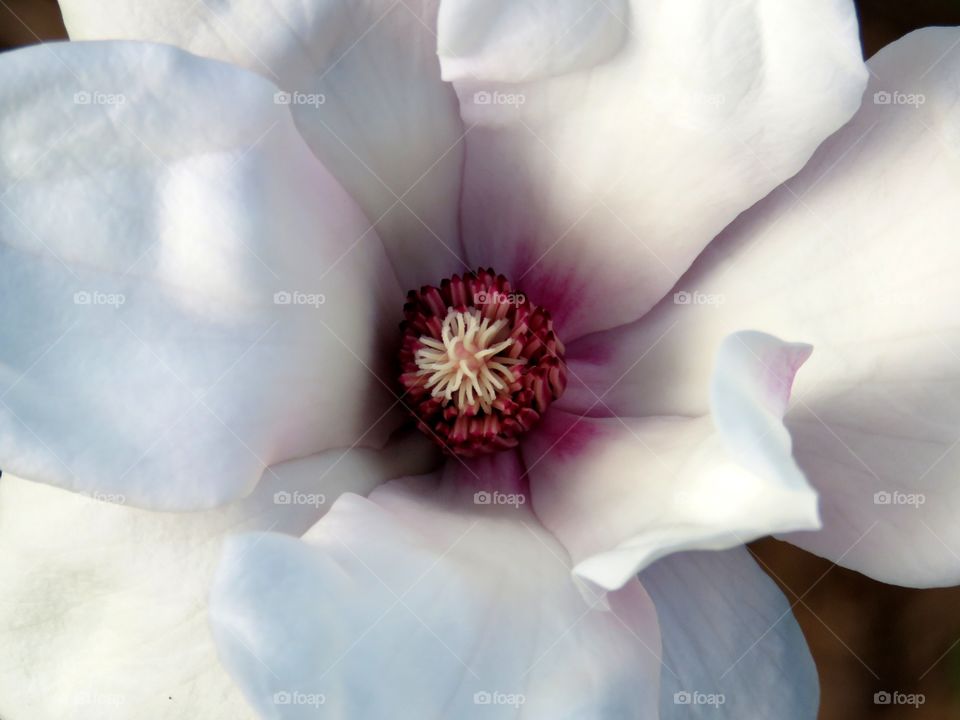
[(865, 636)]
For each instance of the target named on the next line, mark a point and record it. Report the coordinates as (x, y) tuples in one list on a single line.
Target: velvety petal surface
[(520, 41), (188, 295), (858, 256), (362, 81), (620, 493), (422, 602), (731, 646), (103, 607), (595, 188)]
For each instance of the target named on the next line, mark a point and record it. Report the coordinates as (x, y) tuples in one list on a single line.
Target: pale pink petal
[(362, 81), (620, 493), (423, 603), (731, 646), (524, 40), (103, 606), (594, 189), (858, 256), (188, 295)]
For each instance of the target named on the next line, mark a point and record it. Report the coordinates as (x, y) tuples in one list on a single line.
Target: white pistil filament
[(468, 365)]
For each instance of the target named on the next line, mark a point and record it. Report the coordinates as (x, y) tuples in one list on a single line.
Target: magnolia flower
[(214, 504)]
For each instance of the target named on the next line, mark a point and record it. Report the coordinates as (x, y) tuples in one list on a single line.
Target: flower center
[(480, 364), (470, 364)]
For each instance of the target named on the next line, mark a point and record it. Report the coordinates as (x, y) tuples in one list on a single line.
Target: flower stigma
[(467, 360)]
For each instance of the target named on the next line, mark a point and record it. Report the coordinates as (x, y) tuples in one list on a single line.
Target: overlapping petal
[(362, 81), (595, 189), (420, 603), (103, 607), (188, 295), (520, 41), (731, 646), (623, 492), (856, 255)]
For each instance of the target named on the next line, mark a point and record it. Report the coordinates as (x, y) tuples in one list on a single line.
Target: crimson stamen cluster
[(479, 363)]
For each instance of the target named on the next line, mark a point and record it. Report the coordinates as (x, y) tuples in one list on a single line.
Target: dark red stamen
[(535, 362)]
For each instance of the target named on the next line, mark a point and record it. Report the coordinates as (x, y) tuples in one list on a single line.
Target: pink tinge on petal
[(596, 482), (501, 472), (596, 181), (562, 288), (622, 492), (564, 436), (779, 367), (864, 268)]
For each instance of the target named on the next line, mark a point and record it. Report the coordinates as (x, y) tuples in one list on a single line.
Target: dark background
[(865, 636)]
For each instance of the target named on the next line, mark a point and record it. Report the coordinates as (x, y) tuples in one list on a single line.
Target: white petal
[(625, 170), (731, 646), (621, 493), (418, 599), (857, 255), (103, 607), (524, 40), (158, 211), (362, 81)]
